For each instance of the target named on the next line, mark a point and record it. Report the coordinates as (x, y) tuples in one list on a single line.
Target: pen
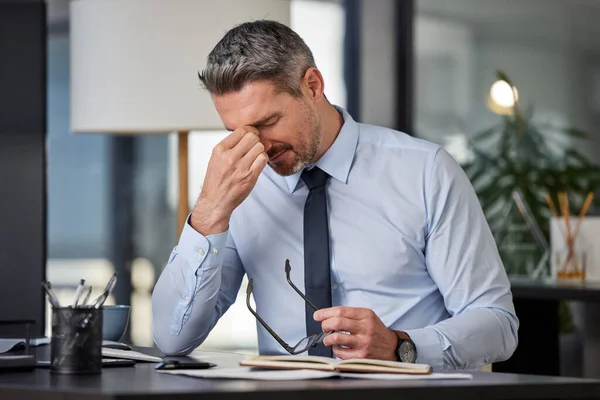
[(78, 292), (87, 296), (51, 296), (107, 290)]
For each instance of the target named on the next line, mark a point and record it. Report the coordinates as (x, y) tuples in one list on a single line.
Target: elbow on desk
[(511, 339), (172, 346), (509, 349)]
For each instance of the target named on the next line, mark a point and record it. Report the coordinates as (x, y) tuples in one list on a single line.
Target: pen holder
[(76, 344)]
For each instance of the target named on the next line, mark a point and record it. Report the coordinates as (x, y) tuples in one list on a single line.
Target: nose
[(267, 143)]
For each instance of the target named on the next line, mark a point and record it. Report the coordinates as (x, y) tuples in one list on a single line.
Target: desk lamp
[(135, 63)]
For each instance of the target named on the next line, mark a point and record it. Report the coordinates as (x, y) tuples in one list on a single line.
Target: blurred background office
[(422, 66)]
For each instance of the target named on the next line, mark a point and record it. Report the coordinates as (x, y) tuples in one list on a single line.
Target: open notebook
[(330, 364)]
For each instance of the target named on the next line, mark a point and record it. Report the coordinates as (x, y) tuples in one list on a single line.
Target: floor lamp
[(134, 66)]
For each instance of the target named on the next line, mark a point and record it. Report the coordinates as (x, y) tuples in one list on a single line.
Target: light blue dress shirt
[(408, 240)]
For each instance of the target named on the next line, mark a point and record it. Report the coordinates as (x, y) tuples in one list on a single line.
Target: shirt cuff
[(430, 349), (196, 248)]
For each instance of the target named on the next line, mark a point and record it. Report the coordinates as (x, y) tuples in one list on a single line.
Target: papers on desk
[(129, 355), (301, 374), (9, 344)]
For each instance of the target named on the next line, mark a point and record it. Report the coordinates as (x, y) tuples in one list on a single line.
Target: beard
[(304, 151)]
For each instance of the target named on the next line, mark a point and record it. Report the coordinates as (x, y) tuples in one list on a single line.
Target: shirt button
[(214, 250), (201, 252), (186, 297), (334, 286)]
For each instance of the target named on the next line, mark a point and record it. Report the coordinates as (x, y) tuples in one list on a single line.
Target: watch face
[(407, 352)]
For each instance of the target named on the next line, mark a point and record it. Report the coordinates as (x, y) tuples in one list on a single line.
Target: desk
[(142, 381), (536, 304)]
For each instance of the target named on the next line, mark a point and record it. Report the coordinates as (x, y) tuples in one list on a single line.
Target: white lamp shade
[(135, 63)]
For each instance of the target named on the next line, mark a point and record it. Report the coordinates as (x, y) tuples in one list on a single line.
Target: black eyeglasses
[(304, 344)]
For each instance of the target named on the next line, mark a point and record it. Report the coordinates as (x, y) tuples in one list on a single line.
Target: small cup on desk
[(76, 344), (570, 265), (114, 322)]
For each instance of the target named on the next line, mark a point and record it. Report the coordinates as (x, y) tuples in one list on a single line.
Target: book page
[(382, 369), (385, 363), (329, 364), (287, 364), (291, 358)]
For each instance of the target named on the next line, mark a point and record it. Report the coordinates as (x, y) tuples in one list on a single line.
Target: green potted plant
[(536, 159)]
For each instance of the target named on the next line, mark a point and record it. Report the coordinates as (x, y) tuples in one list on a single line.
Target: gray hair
[(258, 50)]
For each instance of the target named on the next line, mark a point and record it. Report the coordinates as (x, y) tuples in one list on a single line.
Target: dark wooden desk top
[(523, 288), (142, 381)]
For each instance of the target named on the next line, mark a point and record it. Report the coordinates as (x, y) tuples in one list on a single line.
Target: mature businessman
[(382, 232)]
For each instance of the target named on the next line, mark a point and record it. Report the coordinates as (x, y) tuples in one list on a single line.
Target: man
[(383, 231)]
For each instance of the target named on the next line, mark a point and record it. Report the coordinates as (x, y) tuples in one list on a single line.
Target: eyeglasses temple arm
[(263, 323), (288, 268)]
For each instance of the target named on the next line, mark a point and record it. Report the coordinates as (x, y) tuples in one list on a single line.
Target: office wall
[(22, 157)]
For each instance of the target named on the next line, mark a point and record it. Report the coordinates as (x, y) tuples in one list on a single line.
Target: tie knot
[(314, 178)]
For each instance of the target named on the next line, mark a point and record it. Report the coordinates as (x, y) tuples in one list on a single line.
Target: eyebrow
[(262, 121)]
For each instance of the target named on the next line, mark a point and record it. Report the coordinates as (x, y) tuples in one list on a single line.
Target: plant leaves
[(537, 158), (501, 75), (568, 131), (486, 134), (574, 132)]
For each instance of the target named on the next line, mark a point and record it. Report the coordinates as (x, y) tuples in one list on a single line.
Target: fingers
[(259, 164), (351, 346), (345, 312), (342, 324), (247, 142), (252, 154), (342, 339), (234, 137), (345, 353)]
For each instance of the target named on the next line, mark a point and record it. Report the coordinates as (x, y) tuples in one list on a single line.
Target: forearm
[(474, 338), (182, 316), (192, 293), (462, 259)]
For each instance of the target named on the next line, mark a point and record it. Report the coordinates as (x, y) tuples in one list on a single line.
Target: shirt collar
[(337, 160)]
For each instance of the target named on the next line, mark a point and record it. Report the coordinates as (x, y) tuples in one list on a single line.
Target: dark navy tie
[(317, 281)]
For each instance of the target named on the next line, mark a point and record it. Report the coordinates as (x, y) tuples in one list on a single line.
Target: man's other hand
[(366, 337)]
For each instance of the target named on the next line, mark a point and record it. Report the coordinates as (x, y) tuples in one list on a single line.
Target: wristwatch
[(406, 350)]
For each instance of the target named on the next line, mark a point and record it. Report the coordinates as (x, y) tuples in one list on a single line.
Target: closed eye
[(269, 125)]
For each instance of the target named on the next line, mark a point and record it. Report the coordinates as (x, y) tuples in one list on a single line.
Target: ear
[(313, 84)]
